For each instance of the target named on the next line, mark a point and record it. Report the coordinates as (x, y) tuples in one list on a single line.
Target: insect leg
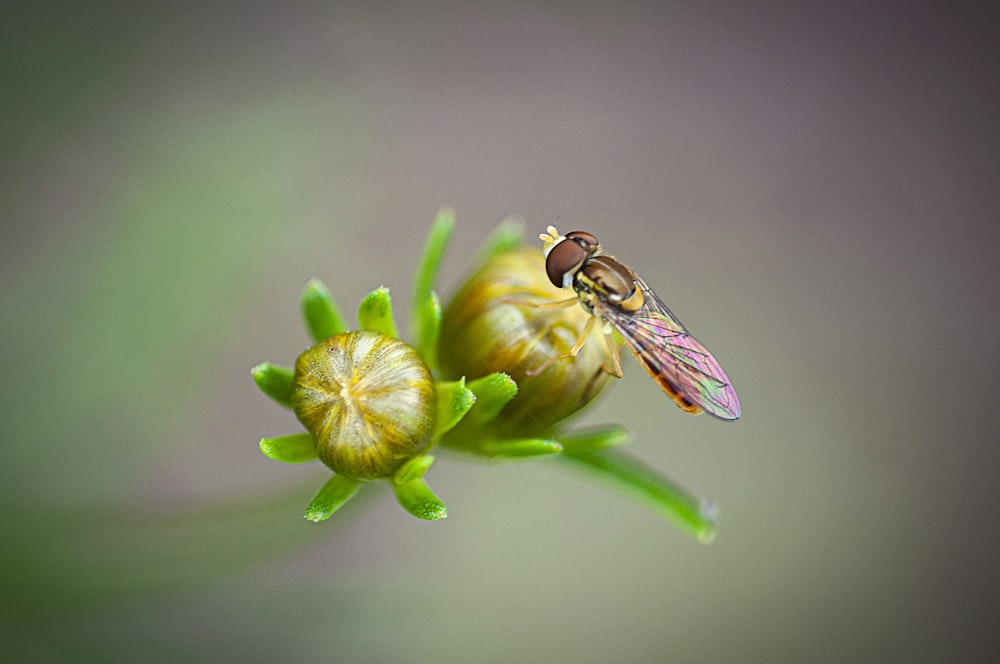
[(584, 335), (615, 370), (559, 304), (615, 356)]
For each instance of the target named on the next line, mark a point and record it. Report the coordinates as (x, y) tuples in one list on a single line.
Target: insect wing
[(672, 356)]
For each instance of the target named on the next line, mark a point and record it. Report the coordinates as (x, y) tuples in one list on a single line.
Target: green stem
[(632, 478)]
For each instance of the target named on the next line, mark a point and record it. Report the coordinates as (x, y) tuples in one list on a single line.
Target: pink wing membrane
[(661, 341)]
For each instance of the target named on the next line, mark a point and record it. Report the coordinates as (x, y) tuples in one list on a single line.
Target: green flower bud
[(485, 330), (367, 399)]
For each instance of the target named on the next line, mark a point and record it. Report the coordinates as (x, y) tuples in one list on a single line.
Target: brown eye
[(564, 258), (588, 239)]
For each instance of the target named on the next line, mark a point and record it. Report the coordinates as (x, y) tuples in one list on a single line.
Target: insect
[(612, 292)]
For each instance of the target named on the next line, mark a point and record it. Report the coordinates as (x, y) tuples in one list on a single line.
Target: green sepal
[(516, 448), (508, 235), (320, 312), (413, 469), (422, 326), (275, 382), (454, 400), (632, 478), (493, 392), (375, 313), (428, 331), (296, 448), (416, 498), (591, 439), (337, 491)]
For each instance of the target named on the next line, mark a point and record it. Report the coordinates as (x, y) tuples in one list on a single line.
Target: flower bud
[(485, 330), (367, 399)]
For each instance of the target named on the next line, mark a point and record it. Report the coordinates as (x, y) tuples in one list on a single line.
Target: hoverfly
[(612, 292)]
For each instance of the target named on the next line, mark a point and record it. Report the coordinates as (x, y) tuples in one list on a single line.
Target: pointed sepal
[(323, 318), (337, 491), (296, 448), (375, 313), (275, 382)]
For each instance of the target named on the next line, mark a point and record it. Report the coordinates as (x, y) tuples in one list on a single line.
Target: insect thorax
[(605, 278)]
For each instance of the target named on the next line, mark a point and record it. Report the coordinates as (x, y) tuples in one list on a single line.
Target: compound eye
[(586, 238), (564, 259)]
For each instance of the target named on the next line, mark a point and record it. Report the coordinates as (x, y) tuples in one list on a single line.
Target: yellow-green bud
[(485, 330), (367, 399)]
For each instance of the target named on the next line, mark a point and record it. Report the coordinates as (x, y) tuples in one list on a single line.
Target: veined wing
[(676, 360)]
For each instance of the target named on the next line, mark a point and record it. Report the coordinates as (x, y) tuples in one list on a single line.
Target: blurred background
[(811, 189)]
